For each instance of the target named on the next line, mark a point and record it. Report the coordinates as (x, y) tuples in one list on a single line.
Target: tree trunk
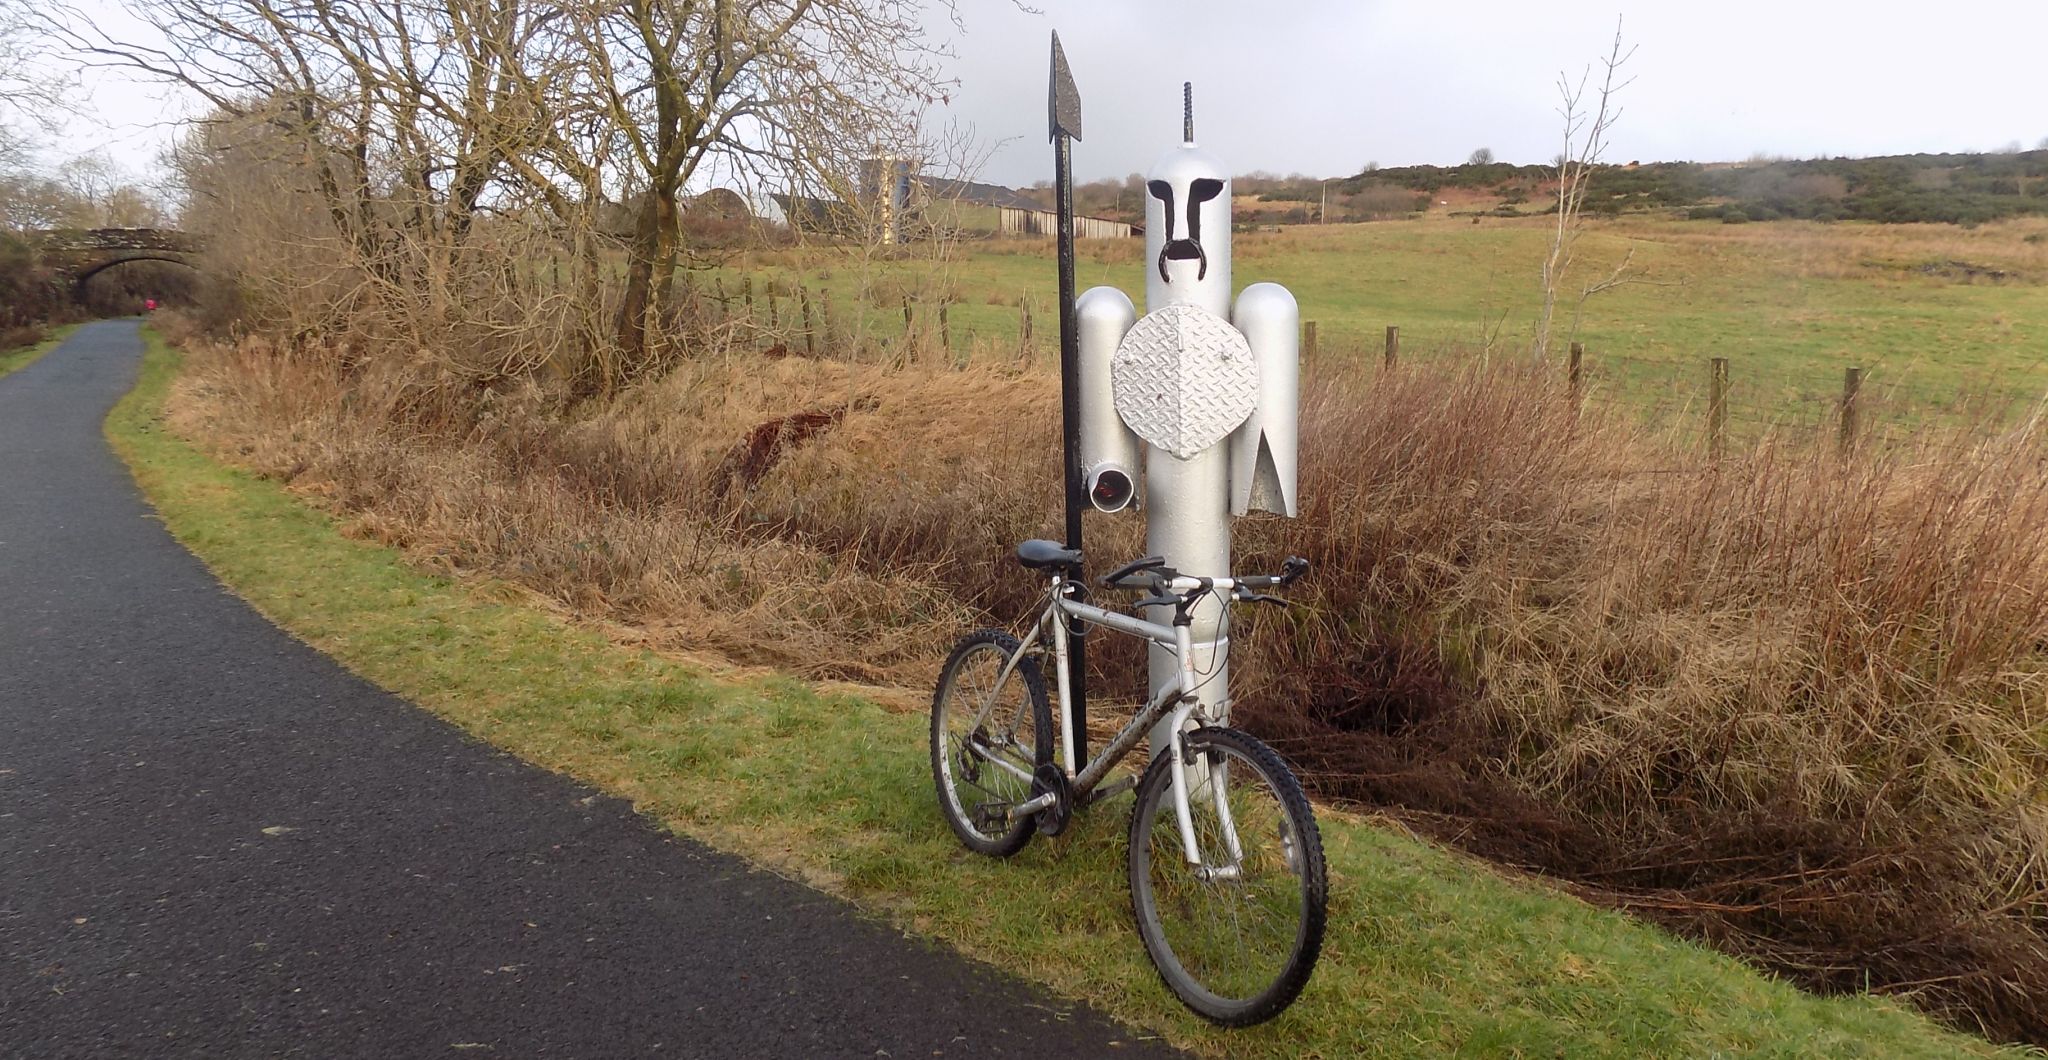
[(650, 278)]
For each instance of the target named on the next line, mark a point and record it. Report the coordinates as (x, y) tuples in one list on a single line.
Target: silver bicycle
[(1228, 885)]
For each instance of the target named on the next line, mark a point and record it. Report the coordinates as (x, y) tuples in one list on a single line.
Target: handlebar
[(1171, 586)]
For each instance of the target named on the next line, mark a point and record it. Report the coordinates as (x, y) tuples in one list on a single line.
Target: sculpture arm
[(1108, 448), (1262, 449)]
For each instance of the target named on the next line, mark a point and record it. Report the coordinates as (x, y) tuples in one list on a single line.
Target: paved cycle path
[(216, 842)]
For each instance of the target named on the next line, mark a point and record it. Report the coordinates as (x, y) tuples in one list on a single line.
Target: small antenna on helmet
[(1187, 111)]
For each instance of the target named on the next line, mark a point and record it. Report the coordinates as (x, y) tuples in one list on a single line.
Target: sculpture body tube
[(1187, 520)]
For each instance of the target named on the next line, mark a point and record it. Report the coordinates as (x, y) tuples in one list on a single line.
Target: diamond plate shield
[(1183, 379)]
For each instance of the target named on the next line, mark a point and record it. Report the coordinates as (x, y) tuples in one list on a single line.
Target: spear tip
[(1064, 104)]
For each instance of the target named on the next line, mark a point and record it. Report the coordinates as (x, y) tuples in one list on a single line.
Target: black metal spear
[(1064, 127)]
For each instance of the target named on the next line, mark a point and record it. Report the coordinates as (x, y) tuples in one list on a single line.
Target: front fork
[(1215, 776)]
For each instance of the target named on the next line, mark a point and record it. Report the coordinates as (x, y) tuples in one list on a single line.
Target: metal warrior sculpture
[(1200, 394)]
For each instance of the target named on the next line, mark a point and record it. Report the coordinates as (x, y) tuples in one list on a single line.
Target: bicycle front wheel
[(988, 736), (1236, 935)]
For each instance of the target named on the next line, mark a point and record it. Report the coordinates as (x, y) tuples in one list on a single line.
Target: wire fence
[(1712, 403), (1708, 403)]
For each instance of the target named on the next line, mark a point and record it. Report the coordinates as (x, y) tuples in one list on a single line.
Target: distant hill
[(1963, 189)]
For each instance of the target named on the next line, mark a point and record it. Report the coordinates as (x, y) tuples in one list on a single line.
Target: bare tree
[(1378, 200), (1587, 121), (394, 107), (801, 89), (30, 201), (427, 156), (1481, 157), (387, 130), (92, 179), (32, 97)]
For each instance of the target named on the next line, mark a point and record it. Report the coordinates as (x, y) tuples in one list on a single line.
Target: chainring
[(1051, 778)]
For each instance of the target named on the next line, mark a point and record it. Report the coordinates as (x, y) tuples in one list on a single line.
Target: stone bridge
[(79, 254)]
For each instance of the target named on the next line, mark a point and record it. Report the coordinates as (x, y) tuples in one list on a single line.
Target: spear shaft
[(1064, 120)]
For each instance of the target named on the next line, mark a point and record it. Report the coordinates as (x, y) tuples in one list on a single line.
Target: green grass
[(1428, 952), (23, 356)]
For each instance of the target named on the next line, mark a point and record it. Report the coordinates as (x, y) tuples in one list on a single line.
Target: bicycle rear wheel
[(986, 741), (1236, 937)]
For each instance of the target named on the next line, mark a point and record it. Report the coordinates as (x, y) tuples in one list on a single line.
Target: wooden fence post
[(824, 318), (1717, 408), (945, 328), (1575, 375), (753, 325), (1308, 339), (1024, 323), (1852, 383), (750, 314), (803, 295), (1393, 344)]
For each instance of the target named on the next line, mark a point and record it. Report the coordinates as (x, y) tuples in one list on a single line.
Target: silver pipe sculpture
[(1203, 392)]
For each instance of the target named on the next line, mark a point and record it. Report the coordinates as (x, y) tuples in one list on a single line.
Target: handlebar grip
[(1293, 568)]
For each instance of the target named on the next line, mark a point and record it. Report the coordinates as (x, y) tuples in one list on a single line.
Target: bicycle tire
[(983, 654), (1291, 882)]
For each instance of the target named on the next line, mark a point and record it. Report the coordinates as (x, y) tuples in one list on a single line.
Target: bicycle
[(1232, 903)]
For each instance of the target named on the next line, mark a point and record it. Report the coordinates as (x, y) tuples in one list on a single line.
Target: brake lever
[(1260, 598), (1142, 563)]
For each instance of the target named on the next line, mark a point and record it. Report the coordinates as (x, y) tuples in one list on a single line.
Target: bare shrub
[(1376, 201)]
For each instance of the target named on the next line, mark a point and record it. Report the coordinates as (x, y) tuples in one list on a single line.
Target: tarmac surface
[(216, 842)]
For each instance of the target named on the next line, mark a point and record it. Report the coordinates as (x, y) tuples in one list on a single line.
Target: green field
[(1922, 308)]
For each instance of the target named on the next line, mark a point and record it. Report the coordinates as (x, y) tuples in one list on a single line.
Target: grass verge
[(1428, 952), (23, 356)]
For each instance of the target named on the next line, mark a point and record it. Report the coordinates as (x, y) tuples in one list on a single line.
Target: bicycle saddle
[(1046, 555)]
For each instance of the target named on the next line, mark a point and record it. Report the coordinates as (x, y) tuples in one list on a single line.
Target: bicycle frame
[(1175, 702)]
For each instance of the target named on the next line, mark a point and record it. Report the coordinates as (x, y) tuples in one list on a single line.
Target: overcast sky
[(1323, 87)]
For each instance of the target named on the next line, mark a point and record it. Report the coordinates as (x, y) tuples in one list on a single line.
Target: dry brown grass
[(1790, 702)]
